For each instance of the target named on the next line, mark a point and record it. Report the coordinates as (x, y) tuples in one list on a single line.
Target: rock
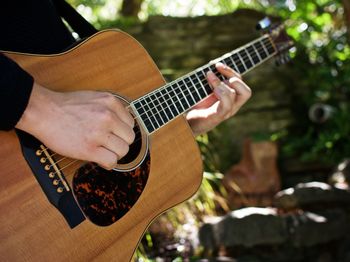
[(245, 227), (308, 229), (341, 175), (250, 227), (253, 227), (311, 194), (206, 236)]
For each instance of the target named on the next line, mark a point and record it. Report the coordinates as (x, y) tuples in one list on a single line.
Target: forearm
[(15, 89), (41, 105)]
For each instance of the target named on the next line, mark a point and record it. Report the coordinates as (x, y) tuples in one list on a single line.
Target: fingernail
[(219, 64), (211, 75)]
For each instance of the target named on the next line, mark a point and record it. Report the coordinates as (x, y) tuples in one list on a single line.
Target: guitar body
[(32, 229)]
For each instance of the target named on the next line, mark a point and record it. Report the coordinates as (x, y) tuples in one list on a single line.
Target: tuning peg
[(283, 58), (278, 61), (263, 24)]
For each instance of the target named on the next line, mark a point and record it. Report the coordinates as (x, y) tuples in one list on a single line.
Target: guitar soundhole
[(135, 147), (137, 150)]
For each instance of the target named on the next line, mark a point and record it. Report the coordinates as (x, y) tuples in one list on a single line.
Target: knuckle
[(226, 115), (123, 150), (111, 100), (92, 136), (224, 112), (108, 96), (131, 137), (248, 93), (106, 116), (232, 93), (112, 161), (130, 120), (110, 164), (234, 80)]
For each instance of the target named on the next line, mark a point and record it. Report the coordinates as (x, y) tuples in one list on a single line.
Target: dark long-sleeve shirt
[(31, 26)]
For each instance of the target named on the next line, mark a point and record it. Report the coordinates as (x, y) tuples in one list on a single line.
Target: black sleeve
[(15, 89)]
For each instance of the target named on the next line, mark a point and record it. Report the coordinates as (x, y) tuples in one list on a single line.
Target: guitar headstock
[(282, 41)]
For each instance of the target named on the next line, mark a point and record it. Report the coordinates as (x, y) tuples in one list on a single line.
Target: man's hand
[(226, 100), (85, 125)]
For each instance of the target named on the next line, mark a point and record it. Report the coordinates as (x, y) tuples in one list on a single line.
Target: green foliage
[(321, 69), (320, 74)]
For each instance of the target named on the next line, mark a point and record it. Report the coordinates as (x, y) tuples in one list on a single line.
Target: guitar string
[(164, 106), (250, 60), (177, 88), (251, 44), (238, 63)]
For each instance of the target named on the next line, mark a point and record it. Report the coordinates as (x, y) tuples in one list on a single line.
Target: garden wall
[(179, 45)]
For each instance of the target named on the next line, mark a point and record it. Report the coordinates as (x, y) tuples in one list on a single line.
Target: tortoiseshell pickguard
[(105, 196)]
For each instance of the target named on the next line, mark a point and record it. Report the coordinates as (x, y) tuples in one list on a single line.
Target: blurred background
[(275, 186)]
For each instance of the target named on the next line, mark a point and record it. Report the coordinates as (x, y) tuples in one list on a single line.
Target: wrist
[(40, 104)]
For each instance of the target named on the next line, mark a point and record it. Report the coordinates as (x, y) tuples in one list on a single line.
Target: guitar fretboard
[(162, 105)]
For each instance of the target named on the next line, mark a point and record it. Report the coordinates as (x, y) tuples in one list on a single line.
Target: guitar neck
[(162, 105)]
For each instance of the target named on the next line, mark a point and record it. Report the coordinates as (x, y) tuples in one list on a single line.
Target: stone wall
[(179, 45), (310, 222)]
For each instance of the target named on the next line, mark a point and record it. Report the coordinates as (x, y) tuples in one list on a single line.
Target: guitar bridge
[(50, 178), (54, 171)]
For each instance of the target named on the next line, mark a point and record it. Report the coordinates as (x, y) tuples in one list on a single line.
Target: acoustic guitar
[(57, 209)]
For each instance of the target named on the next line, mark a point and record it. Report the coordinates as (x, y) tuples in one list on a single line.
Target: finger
[(227, 97), (116, 145), (213, 80), (119, 108), (224, 94), (227, 71), (123, 131), (105, 158), (242, 90), (207, 102)]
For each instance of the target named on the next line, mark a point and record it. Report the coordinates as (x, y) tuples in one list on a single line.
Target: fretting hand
[(227, 98)]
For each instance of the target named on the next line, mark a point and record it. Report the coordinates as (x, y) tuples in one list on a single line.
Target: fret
[(143, 115), (173, 95), (203, 93), (261, 50), (151, 116), (161, 106), (257, 55), (249, 57), (264, 48), (154, 111), (152, 119), (227, 61), (196, 84), (193, 91), (165, 105), (168, 103), (139, 108), (269, 46), (239, 64), (185, 92), (234, 66), (189, 91), (245, 58), (203, 78), (213, 68), (157, 108), (164, 109)]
